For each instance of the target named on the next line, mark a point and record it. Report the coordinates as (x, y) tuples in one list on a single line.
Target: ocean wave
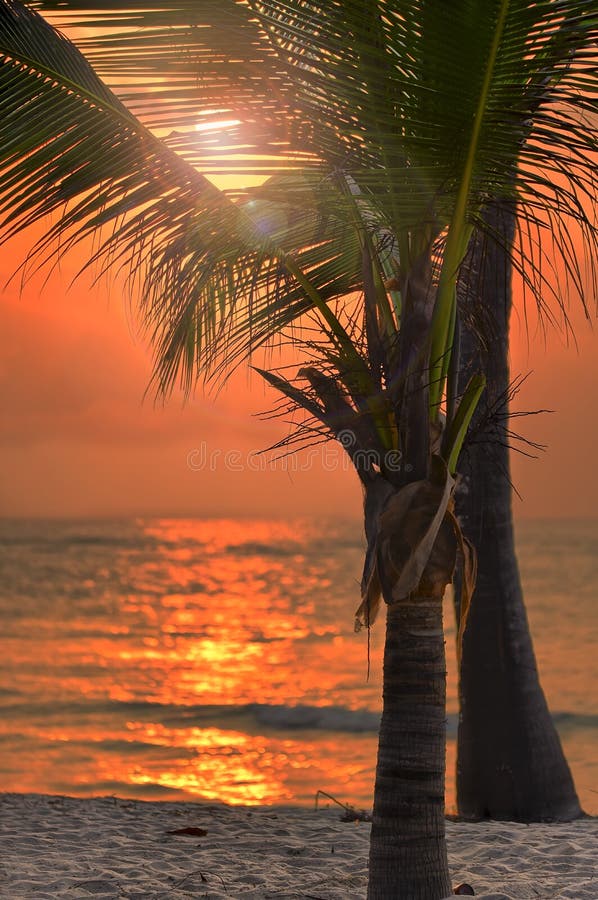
[(575, 720), (318, 718), (248, 717), (61, 543), (251, 548), (272, 717)]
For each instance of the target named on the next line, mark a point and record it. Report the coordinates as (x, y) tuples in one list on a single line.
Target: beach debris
[(351, 814), (465, 889), (202, 876), (190, 829)]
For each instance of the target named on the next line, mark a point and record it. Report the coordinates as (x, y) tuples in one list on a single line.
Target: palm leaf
[(377, 83), (371, 87), (387, 92), (66, 139), (212, 273)]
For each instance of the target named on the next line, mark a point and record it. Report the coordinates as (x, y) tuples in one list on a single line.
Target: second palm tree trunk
[(510, 764)]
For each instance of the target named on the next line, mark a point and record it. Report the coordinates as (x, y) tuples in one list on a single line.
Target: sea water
[(216, 659)]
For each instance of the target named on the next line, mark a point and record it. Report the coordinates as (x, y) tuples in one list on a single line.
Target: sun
[(216, 125)]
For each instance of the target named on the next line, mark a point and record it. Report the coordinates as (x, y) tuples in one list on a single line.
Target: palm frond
[(216, 278), (203, 76), (69, 146), (371, 85), (395, 95)]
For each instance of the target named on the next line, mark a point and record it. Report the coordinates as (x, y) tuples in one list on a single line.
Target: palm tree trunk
[(407, 847), (510, 763)]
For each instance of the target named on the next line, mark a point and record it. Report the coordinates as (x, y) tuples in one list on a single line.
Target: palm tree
[(510, 763), (384, 127), (521, 740)]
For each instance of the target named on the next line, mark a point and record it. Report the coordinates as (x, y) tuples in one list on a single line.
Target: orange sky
[(78, 439)]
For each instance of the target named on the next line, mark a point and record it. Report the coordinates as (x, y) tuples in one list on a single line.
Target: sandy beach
[(114, 849)]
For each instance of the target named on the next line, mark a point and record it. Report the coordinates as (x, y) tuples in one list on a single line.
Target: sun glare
[(218, 125)]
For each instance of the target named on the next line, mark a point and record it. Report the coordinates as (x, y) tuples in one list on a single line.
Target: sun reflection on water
[(240, 768), (237, 609), (208, 659)]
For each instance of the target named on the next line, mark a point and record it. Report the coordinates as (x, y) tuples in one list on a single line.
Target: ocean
[(216, 659)]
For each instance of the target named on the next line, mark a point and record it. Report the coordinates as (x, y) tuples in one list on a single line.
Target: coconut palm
[(383, 127), (521, 740), (510, 763)]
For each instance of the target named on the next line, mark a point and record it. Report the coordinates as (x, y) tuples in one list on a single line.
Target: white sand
[(115, 849)]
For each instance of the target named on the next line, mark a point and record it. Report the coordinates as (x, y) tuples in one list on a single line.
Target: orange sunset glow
[(179, 597), (79, 437), (226, 676)]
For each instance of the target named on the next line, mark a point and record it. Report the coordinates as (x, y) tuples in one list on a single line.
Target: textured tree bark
[(510, 763), (407, 846)]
